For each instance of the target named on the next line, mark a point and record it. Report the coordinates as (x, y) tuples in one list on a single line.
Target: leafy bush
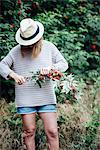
[(72, 25), (78, 125)]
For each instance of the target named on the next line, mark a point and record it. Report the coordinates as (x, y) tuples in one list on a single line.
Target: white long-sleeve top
[(30, 94)]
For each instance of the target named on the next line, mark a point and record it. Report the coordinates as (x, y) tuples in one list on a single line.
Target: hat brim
[(32, 41)]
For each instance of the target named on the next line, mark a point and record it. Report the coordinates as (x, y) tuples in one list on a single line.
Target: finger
[(22, 79), (42, 71), (46, 71), (19, 81)]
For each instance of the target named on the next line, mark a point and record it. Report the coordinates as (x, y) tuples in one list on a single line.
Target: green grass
[(77, 123)]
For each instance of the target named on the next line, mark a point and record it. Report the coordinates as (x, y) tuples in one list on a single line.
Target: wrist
[(12, 74), (53, 67)]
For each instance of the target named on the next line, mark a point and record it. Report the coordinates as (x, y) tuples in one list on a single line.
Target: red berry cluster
[(12, 25), (19, 2), (93, 46), (19, 13), (55, 74)]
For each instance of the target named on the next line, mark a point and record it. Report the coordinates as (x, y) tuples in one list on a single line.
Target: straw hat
[(30, 32)]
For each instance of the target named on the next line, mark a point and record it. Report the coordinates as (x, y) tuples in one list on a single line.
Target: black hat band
[(31, 37)]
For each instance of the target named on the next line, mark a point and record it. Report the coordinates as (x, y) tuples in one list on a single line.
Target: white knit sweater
[(29, 94)]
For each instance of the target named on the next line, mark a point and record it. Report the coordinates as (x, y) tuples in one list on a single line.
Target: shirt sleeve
[(59, 62), (5, 65)]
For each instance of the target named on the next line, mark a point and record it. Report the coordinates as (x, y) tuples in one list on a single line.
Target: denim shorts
[(43, 108)]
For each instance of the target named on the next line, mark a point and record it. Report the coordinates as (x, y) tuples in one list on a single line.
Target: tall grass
[(78, 125)]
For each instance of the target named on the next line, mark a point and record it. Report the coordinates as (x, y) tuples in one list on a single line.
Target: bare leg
[(29, 127), (51, 130)]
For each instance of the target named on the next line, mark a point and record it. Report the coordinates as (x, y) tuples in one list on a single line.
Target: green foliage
[(91, 129), (10, 123), (72, 25), (7, 41), (74, 31), (78, 125)]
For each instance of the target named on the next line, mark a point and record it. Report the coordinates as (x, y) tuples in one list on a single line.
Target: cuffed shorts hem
[(38, 109)]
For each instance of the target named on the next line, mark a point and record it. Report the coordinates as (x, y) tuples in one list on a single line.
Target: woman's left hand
[(45, 70)]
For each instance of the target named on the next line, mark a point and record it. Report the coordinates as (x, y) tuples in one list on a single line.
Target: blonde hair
[(35, 51)]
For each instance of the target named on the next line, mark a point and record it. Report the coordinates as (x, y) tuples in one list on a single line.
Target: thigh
[(49, 119), (29, 121)]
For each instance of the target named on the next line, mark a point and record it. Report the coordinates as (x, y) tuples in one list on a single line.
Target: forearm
[(58, 60), (5, 65), (4, 70)]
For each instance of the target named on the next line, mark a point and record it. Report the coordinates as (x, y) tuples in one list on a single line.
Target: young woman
[(31, 54)]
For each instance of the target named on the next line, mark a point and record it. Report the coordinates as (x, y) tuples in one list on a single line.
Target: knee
[(29, 132), (52, 133)]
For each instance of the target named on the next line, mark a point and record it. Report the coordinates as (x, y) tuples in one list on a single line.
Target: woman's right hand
[(18, 78)]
